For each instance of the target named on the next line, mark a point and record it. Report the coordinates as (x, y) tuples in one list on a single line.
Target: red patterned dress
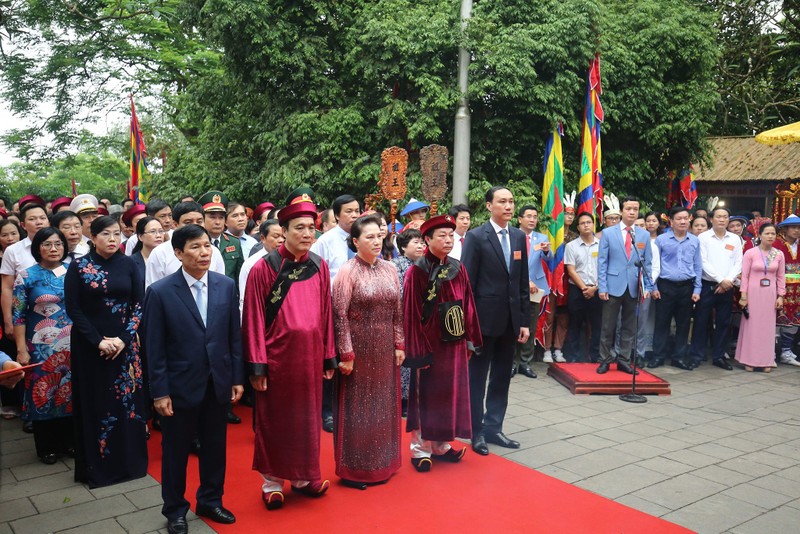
[(368, 320), (791, 302)]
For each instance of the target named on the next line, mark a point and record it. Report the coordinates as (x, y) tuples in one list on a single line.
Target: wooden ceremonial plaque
[(433, 162), (392, 184)]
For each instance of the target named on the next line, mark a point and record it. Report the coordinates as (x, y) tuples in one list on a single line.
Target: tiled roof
[(738, 159)]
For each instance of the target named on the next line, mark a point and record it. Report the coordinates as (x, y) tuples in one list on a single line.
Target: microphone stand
[(640, 270)]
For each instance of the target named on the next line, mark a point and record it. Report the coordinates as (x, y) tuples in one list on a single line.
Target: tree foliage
[(759, 64), (262, 96)]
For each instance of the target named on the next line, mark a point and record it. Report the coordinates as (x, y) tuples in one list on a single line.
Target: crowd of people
[(119, 320)]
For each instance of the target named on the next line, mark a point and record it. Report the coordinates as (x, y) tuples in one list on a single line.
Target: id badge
[(765, 282)]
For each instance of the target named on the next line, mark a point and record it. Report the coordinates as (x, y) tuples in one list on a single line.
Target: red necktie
[(628, 242), (528, 243), (462, 241)]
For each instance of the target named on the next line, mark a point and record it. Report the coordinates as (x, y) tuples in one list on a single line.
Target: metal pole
[(461, 140)]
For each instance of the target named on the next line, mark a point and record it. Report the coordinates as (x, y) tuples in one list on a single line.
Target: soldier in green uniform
[(215, 204)]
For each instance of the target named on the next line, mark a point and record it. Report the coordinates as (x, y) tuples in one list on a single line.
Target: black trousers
[(208, 422), (494, 362), (582, 311), (627, 327), (53, 436), (722, 305), (675, 303)]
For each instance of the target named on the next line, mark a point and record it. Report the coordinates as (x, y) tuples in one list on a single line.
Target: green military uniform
[(231, 250), (228, 245)]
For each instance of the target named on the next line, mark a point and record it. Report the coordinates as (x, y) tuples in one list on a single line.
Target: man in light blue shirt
[(677, 289)]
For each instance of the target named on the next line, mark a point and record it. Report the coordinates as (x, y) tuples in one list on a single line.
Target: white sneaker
[(789, 358), (560, 356), (548, 357)]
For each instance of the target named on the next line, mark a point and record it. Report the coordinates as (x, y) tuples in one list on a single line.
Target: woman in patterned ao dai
[(367, 310), (104, 295), (41, 329)]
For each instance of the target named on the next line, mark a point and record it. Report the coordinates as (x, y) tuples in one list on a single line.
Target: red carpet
[(582, 378), (488, 494)]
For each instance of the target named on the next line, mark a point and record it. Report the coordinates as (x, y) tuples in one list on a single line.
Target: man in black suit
[(193, 345), (496, 260)]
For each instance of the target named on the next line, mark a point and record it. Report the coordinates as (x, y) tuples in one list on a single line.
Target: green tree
[(262, 96), (103, 175)]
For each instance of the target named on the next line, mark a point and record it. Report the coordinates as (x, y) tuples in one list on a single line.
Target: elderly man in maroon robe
[(287, 326), (442, 331)]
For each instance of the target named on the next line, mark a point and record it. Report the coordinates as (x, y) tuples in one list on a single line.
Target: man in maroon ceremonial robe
[(287, 326), (442, 331)]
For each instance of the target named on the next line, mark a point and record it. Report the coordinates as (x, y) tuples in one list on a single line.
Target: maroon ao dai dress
[(368, 321)]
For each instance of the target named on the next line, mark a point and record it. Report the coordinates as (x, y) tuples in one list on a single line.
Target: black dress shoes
[(625, 368), (217, 514), (527, 371), (502, 440), (479, 445), (602, 368), (233, 419), (177, 526), (513, 371), (682, 365), (722, 364), (654, 363), (327, 424)]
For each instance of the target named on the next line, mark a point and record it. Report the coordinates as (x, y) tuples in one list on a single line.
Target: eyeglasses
[(108, 235), (53, 245), (160, 231)]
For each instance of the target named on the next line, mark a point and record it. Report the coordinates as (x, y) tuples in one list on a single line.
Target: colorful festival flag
[(139, 192), (590, 185), (74, 189), (683, 189), (552, 205)]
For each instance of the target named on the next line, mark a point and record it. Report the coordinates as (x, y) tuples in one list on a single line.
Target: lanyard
[(765, 259)]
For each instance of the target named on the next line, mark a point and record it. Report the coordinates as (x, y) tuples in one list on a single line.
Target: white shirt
[(81, 249), (655, 261), (332, 247), (17, 258), (583, 256), (245, 272), (457, 245), (722, 258), (497, 230), (163, 262), (191, 281)]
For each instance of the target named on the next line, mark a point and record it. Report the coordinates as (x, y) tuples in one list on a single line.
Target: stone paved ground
[(722, 454)]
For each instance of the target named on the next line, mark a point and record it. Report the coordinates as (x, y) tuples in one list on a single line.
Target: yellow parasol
[(782, 135)]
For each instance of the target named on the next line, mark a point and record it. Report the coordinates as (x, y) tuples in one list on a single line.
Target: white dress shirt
[(191, 281), (722, 257), (457, 246), (17, 258), (332, 247), (245, 272), (163, 262)]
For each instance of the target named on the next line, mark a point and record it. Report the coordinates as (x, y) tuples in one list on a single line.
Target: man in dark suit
[(192, 340), (496, 259), (622, 252)]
